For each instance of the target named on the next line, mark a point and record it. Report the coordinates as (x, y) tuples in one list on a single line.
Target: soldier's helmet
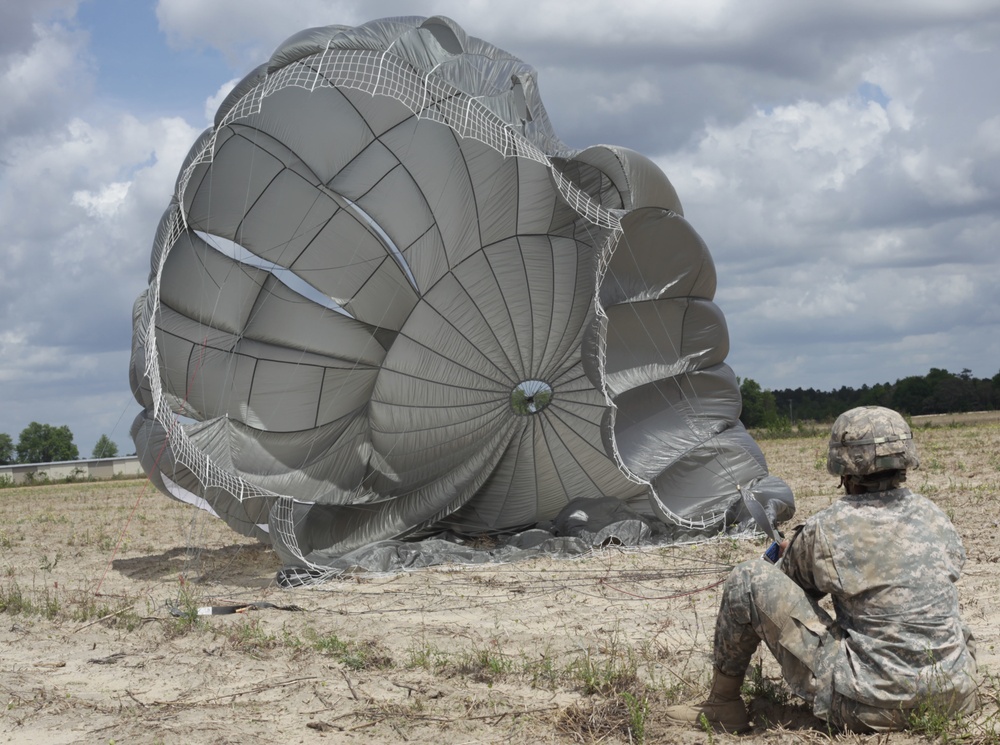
[(870, 439)]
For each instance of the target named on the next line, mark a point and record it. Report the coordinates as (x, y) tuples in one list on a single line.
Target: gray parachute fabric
[(387, 303)]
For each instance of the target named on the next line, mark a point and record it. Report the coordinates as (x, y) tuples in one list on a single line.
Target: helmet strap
[(875, 482)]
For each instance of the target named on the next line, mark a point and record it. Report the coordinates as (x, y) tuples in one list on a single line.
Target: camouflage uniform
[(889, 561)]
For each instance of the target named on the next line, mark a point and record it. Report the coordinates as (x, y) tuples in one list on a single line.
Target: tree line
[(938, 392), (45, 443)]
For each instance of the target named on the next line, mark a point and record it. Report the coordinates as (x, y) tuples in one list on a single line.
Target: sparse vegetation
[(354, 655), (102, 582), (251, 636), (758, 685)]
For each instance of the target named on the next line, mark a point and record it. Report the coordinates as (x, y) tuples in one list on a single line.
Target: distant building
[(84, 470)]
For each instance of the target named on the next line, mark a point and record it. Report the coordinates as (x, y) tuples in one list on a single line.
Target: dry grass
[(543, 651)]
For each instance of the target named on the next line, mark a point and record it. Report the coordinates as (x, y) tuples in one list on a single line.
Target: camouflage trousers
[(761, 603)]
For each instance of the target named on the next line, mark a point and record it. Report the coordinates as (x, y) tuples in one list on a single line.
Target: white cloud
[(213, 102), (636, 93), (842, 162), (51, 75), (947, 182), (104, 203), (839, 225), (737, 179), (17, 21), (987, 140), (245, 31), (81, 191)]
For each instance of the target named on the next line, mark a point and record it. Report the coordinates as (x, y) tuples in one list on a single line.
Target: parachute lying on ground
[(387, 302)]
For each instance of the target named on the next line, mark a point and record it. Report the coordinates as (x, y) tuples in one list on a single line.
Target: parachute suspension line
[(381, 74), (424, 89), (552, 299), (322, 60), (246, 193), (184, 453), (128, 522)]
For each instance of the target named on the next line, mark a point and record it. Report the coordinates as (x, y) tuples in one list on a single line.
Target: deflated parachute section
[(386, 302)]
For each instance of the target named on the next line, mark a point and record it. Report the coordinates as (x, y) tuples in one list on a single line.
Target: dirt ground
[(100, 641)]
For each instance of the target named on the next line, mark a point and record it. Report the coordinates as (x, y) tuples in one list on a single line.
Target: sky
[(841, 161)]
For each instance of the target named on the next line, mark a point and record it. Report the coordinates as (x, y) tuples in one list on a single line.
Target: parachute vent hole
[(530, 397)]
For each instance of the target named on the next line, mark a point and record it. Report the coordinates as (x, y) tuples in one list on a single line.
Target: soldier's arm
[(798, 559)]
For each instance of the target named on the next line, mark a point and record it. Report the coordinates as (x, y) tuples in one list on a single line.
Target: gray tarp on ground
[(583, 526), (386, 301)]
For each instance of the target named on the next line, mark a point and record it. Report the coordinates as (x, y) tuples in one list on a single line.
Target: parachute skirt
[(387, 303)]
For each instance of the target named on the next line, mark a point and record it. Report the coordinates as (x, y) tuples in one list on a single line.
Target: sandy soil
[(546, 651)]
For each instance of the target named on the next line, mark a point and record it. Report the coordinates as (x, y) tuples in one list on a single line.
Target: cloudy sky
[(841, 160)]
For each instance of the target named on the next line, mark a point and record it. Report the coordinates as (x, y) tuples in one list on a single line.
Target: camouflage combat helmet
[(870, 439)]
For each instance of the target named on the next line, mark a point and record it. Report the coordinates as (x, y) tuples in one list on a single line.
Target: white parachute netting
[(428, 97)]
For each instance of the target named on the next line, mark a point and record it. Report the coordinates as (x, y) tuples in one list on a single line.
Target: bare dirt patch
[(965, 417), (100, 585)]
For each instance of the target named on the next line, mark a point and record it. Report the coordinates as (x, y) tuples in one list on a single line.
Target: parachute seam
[(481, 255), (265, 290), (504, 380), (509, 144), (520, 373), (552, 296), (527, 280)]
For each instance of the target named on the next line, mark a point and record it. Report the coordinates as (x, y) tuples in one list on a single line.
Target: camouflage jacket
[(890, 561)]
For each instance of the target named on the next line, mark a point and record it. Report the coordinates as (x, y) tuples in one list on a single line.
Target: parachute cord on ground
[(607, 584), (538, 581)]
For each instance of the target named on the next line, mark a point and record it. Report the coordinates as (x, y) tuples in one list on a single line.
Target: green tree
[(6, 449), (105, 448), (911, 394), (759, 407), (43, 443)]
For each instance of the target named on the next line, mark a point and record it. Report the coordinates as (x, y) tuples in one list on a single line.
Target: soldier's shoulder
[(928, 506), (830, 519), (835, 510)]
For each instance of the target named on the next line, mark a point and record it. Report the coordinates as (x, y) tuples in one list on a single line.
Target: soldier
[(889, 559)]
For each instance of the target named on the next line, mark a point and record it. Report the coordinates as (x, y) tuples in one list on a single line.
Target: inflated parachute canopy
[(387, 302)]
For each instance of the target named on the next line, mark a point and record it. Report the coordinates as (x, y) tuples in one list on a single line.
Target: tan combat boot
[(723, 709)]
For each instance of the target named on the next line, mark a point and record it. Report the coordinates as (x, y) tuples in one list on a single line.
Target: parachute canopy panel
[(386, 301)]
